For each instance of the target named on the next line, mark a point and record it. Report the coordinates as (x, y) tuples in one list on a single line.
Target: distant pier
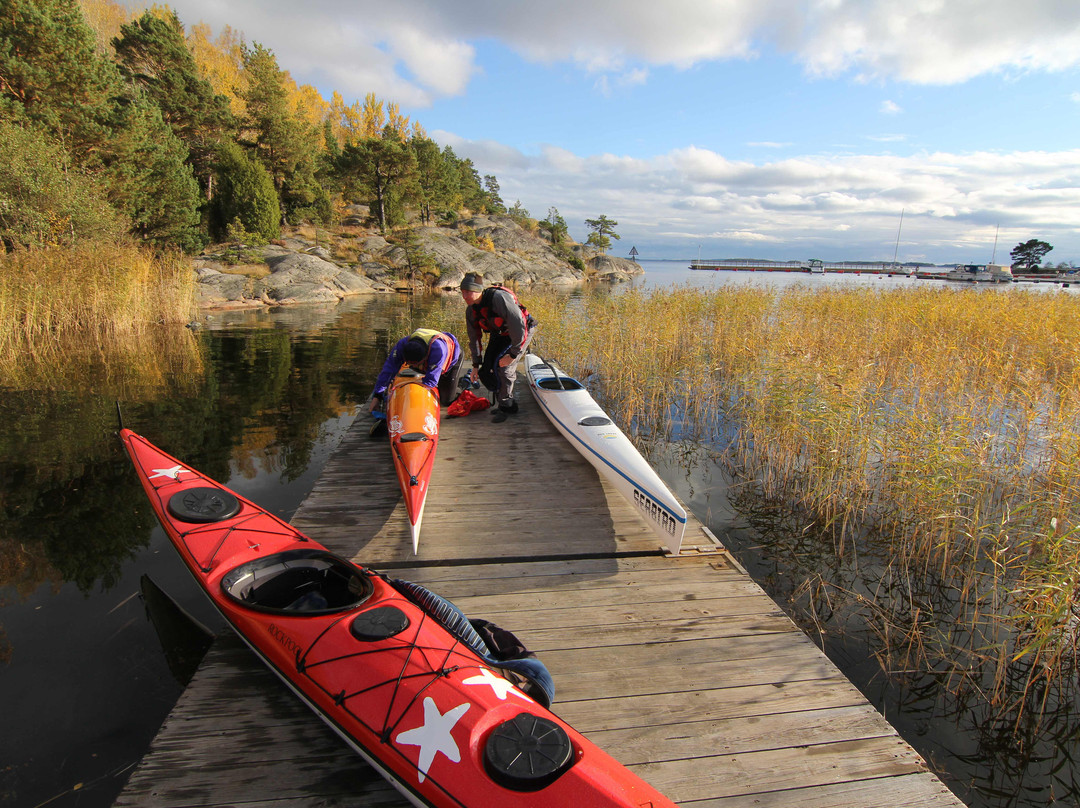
[(881, 268), (812, 267)]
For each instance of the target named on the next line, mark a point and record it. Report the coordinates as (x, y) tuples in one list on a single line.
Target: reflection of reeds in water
[(102, 309), (944, 421)]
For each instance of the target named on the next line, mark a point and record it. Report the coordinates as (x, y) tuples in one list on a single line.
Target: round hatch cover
[(203, 505), (594, 420), (379, 623), (528, 752)]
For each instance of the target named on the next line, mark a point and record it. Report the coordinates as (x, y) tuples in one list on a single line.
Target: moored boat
[(980, 273), (574, 412), (412, 419), (389, 666)]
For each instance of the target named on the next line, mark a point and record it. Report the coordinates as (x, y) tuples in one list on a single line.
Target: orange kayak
[(412, 419)]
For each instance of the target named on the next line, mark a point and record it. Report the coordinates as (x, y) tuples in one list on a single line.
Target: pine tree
[(245, 194), (153, 54), (280, 139), (380, 169), (602, 228), (152, 180), (434, 190), (51, 75)]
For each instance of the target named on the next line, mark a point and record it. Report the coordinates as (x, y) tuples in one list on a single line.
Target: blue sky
[(750, 128)]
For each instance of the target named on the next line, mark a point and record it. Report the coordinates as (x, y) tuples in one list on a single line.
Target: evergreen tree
[(603, 230), (434, 188), (152, 53), (267, 125), (281, 140), (46, 201), (473, 195), (51, 75), (152, 181), (493, 203), (303, 196), (555, 225), (246, 194), (1029, 254), (380, 169)]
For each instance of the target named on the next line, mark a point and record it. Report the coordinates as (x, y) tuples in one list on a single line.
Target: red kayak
[(412, 418), (388, 665)]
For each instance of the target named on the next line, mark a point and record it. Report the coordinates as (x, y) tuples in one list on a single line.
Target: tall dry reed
[(947, 421), (62, 308)]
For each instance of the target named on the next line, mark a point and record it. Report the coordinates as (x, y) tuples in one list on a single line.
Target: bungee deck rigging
[(395, 674)]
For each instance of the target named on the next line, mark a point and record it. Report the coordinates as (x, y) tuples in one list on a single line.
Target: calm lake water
[(86, 677)]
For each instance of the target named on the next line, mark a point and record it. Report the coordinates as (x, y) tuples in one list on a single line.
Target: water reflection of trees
[(252, 396)]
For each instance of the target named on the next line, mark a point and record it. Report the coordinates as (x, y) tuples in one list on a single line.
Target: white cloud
[(890, 108), (848, 206), (415, 51)]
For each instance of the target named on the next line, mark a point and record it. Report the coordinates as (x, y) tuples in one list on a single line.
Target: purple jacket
[(432, 367)]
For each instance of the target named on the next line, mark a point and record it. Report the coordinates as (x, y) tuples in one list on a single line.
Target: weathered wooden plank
[(650, 567), (641, 597), (782, 667), (710, 776), (922, 790), (691, 706), (687, 654), (238, 733), (686, 739)]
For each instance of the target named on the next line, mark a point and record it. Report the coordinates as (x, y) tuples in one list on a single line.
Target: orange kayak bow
[(412, 419)]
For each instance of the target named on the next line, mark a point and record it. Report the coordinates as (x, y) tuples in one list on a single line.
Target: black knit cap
[(472, 282), (415, 350)]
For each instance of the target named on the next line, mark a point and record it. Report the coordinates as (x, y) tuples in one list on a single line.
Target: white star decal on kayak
[(500, 685), (174, 472), (433, 736)]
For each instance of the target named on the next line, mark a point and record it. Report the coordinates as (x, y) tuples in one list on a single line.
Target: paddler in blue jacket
[(436, 354)]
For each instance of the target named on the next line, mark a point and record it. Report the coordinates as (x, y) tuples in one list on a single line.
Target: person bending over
[(435, 354)]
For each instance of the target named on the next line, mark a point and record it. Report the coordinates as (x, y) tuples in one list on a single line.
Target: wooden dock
[(681, 668)]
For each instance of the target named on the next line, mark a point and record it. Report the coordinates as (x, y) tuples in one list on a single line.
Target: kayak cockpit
[(298, 581), (559, 383)]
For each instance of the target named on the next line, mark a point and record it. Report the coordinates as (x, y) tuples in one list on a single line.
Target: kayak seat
[(307, 581)]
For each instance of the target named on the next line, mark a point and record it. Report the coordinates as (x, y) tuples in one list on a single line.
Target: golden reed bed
[(943, 422)]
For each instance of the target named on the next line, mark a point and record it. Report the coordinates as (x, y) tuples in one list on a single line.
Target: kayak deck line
[(680, 667)]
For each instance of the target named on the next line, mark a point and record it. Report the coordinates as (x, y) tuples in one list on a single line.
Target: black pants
[(501, 380), (448, 384)]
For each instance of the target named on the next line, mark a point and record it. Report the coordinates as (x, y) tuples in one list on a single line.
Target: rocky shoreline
[(354, 260)]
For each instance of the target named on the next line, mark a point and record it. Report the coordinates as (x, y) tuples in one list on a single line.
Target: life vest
[(487, 320), (426, 335)]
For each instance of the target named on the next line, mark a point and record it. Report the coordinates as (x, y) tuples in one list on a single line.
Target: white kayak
[(579, 418)]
